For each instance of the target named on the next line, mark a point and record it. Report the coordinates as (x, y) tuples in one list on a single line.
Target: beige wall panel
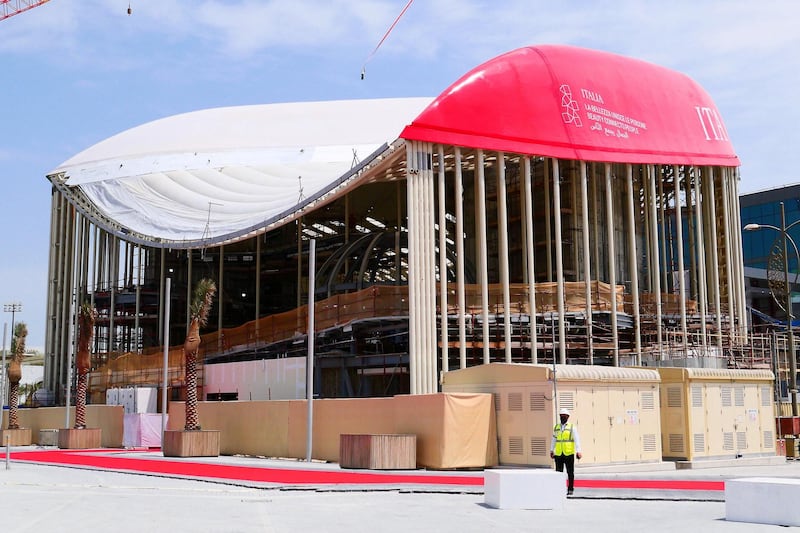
[(248, 428), (106, 417), (453, 431)]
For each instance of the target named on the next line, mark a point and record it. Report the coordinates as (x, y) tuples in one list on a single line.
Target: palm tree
[(15, 372), (83, 360), (29, 390), (202, 299)]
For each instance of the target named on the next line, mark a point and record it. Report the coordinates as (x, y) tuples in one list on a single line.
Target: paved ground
[(37, 497)]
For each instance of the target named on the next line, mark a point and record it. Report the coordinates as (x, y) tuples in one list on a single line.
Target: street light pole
[(789, 315), (784, 230), (15, 307)]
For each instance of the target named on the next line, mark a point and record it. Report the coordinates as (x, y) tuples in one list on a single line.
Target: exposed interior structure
[(555, 204)]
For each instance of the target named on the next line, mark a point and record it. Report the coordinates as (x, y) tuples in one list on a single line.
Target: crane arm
[(9, 8)]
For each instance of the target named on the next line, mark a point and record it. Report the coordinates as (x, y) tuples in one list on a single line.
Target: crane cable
[(385, 35)]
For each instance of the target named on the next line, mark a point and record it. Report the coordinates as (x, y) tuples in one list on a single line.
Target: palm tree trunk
[(13, 401), (80, 402), (191, 393)]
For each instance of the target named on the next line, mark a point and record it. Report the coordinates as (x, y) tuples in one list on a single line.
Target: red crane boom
[(9, 8)]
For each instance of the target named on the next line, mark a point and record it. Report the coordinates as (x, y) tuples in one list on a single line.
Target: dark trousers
[(569, 461)]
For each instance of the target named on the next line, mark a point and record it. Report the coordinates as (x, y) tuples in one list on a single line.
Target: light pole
[(784, 230), (15, 307)]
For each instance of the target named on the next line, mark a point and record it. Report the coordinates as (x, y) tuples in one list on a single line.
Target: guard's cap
[(564, 411)]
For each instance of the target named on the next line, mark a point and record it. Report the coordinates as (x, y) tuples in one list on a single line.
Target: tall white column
[(529, 249), (587, 262), (633, 257), (443, 262), (681, 279), (548, 217), (729, 272), (502, 230), (431, 383), (655, 260), (562, 344), (483, 264), (710, 198), (612, 261), (702, 280), (413, 268), (459, 238)]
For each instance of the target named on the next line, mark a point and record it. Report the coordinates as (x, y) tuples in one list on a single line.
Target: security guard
[(565, 446)]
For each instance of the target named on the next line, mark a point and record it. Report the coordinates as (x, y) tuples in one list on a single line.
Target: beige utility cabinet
[(710, 413), (615, 409)]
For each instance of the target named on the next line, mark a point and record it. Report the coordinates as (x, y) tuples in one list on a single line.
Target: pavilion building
[(553, 205)]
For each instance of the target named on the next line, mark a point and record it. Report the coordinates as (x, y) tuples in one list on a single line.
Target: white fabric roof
[(208, 174)]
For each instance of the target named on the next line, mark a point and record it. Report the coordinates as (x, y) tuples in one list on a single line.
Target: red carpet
[(289, 476), (654, 484), (106, 459)]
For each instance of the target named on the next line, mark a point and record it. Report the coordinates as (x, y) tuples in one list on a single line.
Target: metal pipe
[(312, 248), (221, 299), (161, 277), (165, 375)]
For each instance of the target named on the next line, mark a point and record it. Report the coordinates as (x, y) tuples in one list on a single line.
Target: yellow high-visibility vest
[(565, 443)]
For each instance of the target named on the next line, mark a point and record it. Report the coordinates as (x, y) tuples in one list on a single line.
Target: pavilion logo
[(712, 124), (570, 112)]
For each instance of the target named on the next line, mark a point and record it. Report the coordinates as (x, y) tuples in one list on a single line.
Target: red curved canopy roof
[(574, 103)]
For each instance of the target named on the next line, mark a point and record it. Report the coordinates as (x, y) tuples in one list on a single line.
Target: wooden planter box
[(378, 452), (202, 443), (17, 437), (79, 439)]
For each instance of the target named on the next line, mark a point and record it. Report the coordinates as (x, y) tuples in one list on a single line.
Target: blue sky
[(76, 72)]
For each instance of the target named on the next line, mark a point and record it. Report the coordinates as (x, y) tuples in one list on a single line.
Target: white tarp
[(141, 430), (207, 174)]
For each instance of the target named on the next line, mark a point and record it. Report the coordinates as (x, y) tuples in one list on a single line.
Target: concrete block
[(48, 437), (524, 489), (763, 500)]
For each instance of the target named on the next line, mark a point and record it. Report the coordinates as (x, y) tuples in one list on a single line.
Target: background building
[(763, 207)]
